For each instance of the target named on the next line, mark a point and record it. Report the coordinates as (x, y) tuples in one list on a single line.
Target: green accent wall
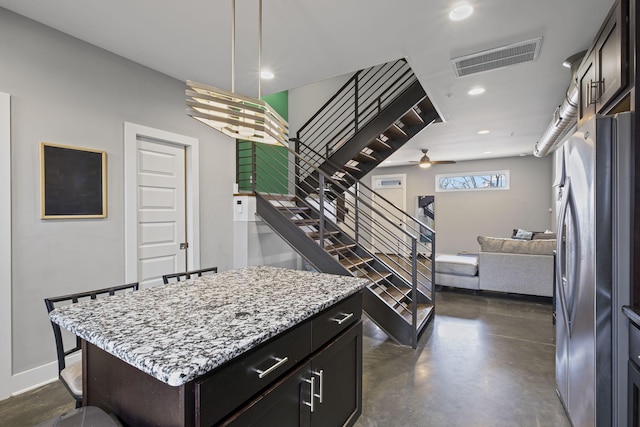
[(271, 160)]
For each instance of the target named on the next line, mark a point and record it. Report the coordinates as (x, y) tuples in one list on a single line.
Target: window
[(495, 180)]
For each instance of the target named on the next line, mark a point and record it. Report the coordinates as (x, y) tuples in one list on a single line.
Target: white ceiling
[(305, 41)]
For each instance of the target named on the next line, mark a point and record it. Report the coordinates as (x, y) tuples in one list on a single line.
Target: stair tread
[(306, 221), (350, 263), (423, 311), (412, 117), (395, 130), (365, 157), (339, 248), (376, 276), (394, 296), (292, 208), (351, 167), (316, 234), (281, 197), (378, 145)]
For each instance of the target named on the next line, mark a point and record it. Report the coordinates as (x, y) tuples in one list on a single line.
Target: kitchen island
[(234, 347)]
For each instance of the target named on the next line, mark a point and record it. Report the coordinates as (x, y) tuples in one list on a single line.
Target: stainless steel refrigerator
[(593, 188)]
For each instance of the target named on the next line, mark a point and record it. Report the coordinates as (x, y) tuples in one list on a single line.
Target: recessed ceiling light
[(460, 12), (487, 152), (483, 132), (266, 75), (476, 91)]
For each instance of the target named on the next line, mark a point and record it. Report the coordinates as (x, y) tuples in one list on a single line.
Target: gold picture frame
[(73, 182)]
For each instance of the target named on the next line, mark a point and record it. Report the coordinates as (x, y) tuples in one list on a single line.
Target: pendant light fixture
[(237, 116)]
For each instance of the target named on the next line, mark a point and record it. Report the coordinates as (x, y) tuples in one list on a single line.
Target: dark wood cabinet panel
[(283, 405), (611, 51), (338, 373), (325, 391), (273, 384), (604, 72), (232, 385), (634, 395), (586, 78), (335, 320)]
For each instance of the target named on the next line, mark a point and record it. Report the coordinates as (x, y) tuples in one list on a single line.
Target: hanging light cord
[(259, 49), (233, 46)]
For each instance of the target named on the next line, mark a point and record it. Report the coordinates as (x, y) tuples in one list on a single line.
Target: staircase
[(372, 115), (334, 221)]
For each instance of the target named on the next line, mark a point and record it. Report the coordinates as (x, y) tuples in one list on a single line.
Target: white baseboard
[(36, 377)]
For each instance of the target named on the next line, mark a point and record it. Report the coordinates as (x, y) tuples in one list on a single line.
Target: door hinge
[(184, 246)]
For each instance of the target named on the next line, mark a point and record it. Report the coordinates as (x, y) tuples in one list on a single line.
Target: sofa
[(516, 265)]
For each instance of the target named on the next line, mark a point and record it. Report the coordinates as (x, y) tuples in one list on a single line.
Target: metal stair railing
[(380, 230), (355, 104)]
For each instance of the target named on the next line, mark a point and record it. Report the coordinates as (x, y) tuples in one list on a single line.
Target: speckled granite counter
[(180, 331)]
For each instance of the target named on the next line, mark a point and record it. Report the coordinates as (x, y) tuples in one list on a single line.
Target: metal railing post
[(414, 289), (254, 178), (433, 268), (357, 212), (355, 108), (321, 210)]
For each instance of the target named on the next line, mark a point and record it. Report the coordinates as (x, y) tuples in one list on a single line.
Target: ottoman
[(460, 271)]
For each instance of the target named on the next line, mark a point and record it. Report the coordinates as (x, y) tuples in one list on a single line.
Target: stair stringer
[(385, 316), (297, 239)]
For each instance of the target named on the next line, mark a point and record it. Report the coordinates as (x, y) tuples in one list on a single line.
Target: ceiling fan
[(426, 162)]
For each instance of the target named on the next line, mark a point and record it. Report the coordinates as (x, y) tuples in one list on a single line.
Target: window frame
[(505, 172)]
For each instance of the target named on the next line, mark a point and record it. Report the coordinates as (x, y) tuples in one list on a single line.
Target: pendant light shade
[(237, 116)]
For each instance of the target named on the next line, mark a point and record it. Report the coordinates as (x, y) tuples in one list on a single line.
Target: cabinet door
[(337, 370), (634, 395), (586, 83), (611, 56), (285, 404)]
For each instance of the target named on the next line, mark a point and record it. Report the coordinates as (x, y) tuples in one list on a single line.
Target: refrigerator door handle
[(561, 255)]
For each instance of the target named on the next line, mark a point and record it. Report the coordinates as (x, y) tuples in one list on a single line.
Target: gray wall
[(304, 101), (462, 216), (69, 92)]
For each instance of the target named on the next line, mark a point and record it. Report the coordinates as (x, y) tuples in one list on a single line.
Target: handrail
[(346, 173), (355, 103), (326, 104), (383, 225)]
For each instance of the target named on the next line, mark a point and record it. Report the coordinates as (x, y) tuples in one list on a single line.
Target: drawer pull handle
[(320, 375), (279, 362), (312, 395), (344, 319)]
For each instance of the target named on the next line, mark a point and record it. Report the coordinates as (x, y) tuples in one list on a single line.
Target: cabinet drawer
[(634, 343), (335, 320), (241, 378)]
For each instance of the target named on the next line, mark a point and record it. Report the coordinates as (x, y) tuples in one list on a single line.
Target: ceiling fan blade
[(442, 162)]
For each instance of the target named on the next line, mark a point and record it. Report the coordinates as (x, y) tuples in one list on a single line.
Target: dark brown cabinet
[(325, 391), (633, 374), (604, 72), (634, 395), (317, 362)]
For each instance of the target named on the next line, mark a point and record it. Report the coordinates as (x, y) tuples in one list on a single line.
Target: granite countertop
[(180, 331)]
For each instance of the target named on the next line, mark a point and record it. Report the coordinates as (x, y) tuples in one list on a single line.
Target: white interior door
[(161, 210), (389, 237)]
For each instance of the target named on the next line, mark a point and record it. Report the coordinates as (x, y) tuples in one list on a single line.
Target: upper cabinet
[(604, 72)]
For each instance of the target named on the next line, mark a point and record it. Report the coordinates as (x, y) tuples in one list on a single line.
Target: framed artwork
[(73, 182)]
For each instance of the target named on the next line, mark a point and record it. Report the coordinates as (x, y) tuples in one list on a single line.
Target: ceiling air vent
[(497, 58)]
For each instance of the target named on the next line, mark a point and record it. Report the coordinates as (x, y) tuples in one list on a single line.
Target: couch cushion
[(505, 245), (461, 265)]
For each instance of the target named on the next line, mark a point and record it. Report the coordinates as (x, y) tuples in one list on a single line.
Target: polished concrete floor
[(486, 360)]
